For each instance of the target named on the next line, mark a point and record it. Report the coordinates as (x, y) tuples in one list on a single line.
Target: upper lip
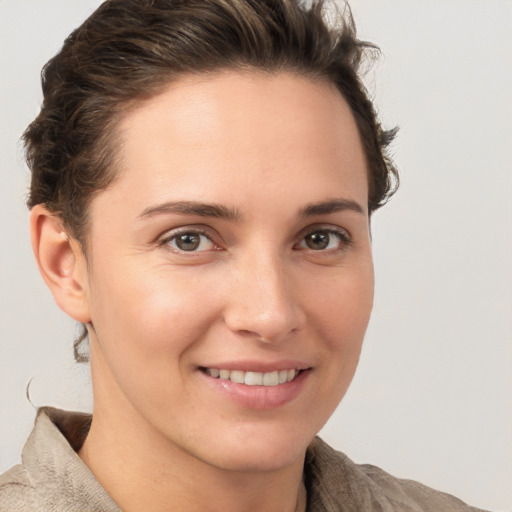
[(259, 366)]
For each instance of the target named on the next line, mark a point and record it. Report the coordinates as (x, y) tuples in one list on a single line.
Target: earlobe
[(61, 262)]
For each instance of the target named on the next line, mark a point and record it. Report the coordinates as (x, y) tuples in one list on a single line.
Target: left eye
[(190, 242), (322, 240)]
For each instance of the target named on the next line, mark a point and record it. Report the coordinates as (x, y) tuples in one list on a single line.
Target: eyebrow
[(233, 214), (331, 206), (192, 208)]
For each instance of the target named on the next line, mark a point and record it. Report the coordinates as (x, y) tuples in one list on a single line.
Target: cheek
[(342, 305), (148, 326), (152, 311), (341, 313)]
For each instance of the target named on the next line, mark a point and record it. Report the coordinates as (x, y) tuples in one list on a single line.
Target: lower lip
[(258, 397)]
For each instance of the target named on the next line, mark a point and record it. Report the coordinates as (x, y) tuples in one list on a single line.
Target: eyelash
[(167, 239), (343, 236)]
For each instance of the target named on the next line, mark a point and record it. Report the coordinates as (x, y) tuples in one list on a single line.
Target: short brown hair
[(128, 50)]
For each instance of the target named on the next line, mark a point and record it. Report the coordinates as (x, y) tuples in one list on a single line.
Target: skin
[(253, 294)]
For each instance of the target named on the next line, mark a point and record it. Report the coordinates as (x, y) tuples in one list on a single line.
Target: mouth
[(269, 388), (268, 379)]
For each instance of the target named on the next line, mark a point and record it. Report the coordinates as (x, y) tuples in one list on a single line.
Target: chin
[(260, 450), (250, 460)]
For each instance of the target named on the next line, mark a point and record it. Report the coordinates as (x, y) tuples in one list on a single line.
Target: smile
[(274, 378)]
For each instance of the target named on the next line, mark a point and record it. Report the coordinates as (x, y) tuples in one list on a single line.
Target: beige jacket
[(53, 478)]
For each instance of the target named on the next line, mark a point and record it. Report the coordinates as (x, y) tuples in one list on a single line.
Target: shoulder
[(52, 477), (335, 479), (16, 492)]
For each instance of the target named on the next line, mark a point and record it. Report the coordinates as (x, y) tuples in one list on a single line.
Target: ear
[(61, 262)]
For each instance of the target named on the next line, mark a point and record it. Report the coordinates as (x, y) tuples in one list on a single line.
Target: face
[(230, 277)]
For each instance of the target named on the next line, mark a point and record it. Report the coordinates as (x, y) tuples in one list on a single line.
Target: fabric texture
[(53, 478)]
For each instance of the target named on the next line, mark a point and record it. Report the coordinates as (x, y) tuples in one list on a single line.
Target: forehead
[(231, 135)]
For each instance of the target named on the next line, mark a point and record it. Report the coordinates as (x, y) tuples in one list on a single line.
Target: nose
[(263, 301)]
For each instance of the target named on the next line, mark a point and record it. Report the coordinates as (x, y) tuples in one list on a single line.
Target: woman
[(203, 180)]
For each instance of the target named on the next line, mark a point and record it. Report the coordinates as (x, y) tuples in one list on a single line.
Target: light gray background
[(432, 399)]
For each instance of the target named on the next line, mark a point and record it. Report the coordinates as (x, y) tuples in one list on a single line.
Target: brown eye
[(318, 240), (323, 239), (190, 241)]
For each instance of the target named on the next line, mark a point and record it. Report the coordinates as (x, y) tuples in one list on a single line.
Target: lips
[(256, 385), (253, 378)]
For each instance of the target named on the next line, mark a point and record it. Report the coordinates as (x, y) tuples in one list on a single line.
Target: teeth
[(254, 378), (271, 379), (237, 376)]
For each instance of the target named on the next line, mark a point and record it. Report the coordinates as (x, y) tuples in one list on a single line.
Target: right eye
[(189, 241)]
